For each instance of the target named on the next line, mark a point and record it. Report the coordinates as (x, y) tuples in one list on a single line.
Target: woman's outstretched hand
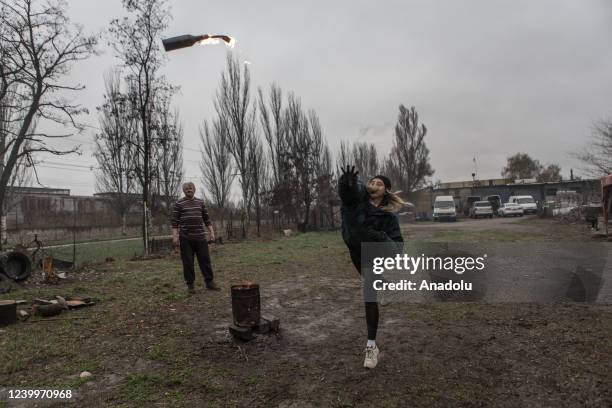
[(350, 174)]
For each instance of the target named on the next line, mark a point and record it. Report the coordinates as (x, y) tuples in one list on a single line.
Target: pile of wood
[(55, 306), (9, 310)]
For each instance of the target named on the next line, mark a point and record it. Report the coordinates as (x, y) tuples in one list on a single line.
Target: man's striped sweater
[(190, 216)]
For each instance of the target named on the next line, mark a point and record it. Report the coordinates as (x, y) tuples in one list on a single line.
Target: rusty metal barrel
[(8, 312), (246, 305)]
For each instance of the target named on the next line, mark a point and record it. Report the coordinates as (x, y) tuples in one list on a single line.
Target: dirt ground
[(509, 229), (148, 344)]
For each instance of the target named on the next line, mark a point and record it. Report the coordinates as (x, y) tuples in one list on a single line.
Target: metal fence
[(78, 244)]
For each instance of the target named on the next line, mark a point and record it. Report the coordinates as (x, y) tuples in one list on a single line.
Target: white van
[(444, 208), (526, 202)]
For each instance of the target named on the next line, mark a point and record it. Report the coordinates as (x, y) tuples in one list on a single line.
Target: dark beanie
[(384, 179)]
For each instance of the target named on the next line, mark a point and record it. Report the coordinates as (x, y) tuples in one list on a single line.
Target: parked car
[(510, 210), (526, 202), (481, 209), (444, 208)]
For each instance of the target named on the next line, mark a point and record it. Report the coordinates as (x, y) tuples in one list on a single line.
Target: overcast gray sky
[(488, 77)]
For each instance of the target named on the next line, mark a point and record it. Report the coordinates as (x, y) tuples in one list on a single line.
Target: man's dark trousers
[(200, 249)]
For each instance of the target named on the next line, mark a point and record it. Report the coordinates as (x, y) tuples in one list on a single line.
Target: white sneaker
[(371, 357), (384, 299)]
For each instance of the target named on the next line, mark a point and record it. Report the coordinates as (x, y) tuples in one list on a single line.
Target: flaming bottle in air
[(183, 41)]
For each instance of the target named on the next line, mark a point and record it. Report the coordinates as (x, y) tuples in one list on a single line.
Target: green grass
[(142, 387), (270, 252), (164, 350), (99, 251), (127, 287), (172, 386), (174, 296), (298, 249)]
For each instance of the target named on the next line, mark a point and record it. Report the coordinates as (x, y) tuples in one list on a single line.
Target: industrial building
[(586, 190)]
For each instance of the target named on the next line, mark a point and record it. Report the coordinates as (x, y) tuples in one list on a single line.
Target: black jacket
[(361, 221)]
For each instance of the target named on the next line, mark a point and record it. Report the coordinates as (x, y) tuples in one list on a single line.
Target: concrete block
[(273, 321), (263, 327), (242, 333)]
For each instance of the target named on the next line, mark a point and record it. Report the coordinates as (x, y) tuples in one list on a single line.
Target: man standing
[(188, 219)]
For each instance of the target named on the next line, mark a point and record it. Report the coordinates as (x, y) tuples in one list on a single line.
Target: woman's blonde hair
[(392, 202)]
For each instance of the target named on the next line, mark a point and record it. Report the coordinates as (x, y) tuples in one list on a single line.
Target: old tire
[(16, 266)]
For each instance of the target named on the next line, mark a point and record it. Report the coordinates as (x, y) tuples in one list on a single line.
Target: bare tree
[(597, 156), (300, 161), (135, 40), (271, 118), (411, 151), (391, 168), (216, 164), (344, 155), (326, 185), (38, 46), (281, 186), (343, 158), (114, 149), (550, 173), (305, 142), (168, 173), (365, 158), (325, 165), (22, 174), (233, 104), (521, 166), (258, 174)]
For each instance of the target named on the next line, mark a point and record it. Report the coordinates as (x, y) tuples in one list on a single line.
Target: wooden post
[(75, 207)]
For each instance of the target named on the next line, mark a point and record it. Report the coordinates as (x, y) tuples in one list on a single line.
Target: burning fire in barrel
[(246, 305)]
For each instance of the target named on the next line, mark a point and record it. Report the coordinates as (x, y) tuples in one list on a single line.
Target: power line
[(69, 164), (91, 168), (59, 168), (92, 165), (97, 128)]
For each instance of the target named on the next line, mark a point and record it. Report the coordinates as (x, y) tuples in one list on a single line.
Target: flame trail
[(216, 39)]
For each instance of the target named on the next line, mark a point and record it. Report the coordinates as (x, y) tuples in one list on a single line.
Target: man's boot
[(190, 289), (212, 286)]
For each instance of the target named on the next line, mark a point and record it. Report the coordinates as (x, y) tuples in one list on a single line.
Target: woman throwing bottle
[(368, 215)]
